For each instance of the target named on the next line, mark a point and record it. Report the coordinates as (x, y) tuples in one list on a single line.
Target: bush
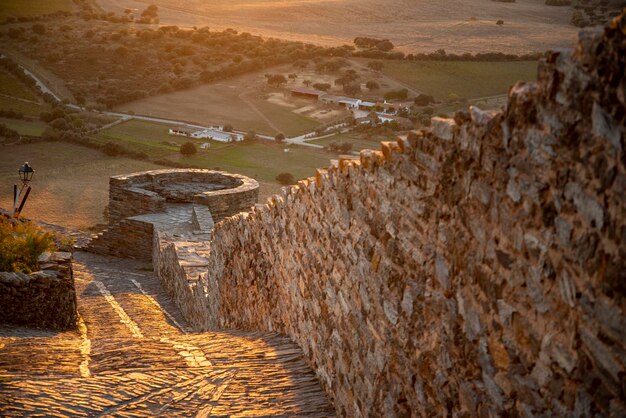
[(285, 179), (279, 137), (188, 148), (21, 244), (401, 94)]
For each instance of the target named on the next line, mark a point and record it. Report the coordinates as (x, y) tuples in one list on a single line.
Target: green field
[(358, 141), (136, 135), (263, 160), (468, 80), (28, 8), (27, 108), (25, 127), (11, 86)]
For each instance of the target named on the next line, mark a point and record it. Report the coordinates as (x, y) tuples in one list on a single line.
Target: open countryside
[(457, 26)]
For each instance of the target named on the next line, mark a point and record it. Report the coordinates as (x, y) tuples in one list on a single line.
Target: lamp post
[(26, 175)]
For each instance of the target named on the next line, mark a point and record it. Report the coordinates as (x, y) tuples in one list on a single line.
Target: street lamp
[(26, 175)]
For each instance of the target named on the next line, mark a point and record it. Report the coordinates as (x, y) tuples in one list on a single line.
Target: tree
[(351, 89), (424, 100), (285, 179), (372, 85), (188, 148), (321, 86), (151, 11), (500, 22), (385, 45), (307, 82), (375, 65), (279, 137), (227, 128), (276, 80)]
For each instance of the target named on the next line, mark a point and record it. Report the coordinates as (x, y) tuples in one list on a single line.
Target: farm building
[(403, 122), (350, 103), (182, 131), (367, 105), (309, 93), (331, 99), (217, 135), (210, 133)]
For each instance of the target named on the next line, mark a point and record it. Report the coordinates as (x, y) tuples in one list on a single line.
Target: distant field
[(11, 86), (413, 25), (27, 108), (136, 135), (469, 80), (70, 185), (25, 127), (28, 8), (221, 103), (261, 160), (358, 141)]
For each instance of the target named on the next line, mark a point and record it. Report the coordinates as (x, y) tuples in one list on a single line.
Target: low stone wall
[(183, 285), (44, 299), (476, 269), (131, 197)]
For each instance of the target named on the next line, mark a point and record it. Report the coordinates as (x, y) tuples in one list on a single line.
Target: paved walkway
[(133, 355)]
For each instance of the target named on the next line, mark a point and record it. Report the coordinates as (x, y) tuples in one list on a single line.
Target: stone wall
[(43, 299), (133, 197), (475, 269)]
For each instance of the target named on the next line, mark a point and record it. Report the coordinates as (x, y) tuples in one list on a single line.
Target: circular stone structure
[(224, 194)]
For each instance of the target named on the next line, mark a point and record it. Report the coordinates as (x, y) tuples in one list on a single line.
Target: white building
[(214, 134)]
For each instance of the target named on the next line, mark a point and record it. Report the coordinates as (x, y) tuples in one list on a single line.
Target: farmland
[(70, 186), (469, 80), (22, 8), (262, 160), (25, 127), (413, 26), (358, 141), (11, 86), (223, 103)]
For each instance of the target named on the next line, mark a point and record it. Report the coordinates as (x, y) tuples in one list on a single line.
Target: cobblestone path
[(133, 355)]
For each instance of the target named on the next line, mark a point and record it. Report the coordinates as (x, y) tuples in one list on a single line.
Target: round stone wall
[(225, 194)]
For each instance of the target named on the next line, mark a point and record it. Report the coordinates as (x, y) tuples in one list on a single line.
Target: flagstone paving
[(134, 355)]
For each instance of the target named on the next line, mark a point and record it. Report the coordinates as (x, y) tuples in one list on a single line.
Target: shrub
[(279, 137), (21, 244), (285, 179), (188, 148)]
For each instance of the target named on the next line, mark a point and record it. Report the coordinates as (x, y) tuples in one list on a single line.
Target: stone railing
[(474, 269), (43, 299)]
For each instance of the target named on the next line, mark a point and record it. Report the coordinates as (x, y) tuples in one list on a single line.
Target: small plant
[(21, 244)]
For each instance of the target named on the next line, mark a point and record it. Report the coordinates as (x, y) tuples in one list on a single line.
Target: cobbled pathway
[(133, 355)]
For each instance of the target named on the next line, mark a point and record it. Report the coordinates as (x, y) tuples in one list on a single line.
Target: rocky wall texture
[(475, 269), (43, 299)]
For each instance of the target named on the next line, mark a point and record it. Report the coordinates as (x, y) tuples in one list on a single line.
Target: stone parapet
[(43, 299)]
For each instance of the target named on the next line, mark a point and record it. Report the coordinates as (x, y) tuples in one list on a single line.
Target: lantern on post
[(26, 175)]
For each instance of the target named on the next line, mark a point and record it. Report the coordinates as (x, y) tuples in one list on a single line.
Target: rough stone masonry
[(476, 269)]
